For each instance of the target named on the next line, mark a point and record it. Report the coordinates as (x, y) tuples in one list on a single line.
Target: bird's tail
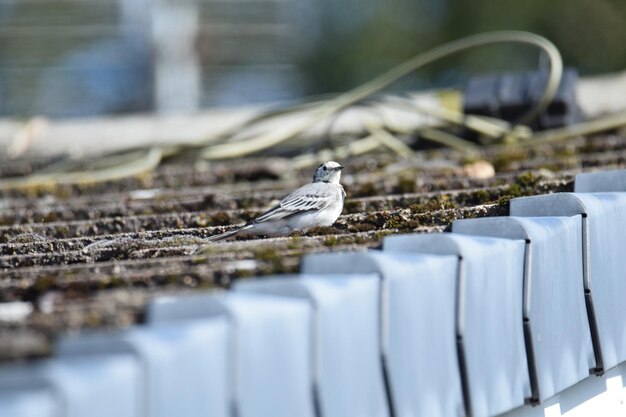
[(228, 234)]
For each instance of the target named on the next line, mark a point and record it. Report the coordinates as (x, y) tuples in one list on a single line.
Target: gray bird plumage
[(316, 204)]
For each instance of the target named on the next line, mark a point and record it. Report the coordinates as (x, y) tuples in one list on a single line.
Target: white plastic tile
[(89, 385), (345, 335), (29, 402), (184, 367), (604, 181), (269, 357), (558, 339), (489, 328), (603, 224), (418, 325)]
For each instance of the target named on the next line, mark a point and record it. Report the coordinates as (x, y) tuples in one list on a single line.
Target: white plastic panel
[(603, 396), (184, 366), (558, 339), (604, 243), (29, 402), (269, 353), (95, 386), (418, 336), (603, 181), (489, 327), (346, 338)]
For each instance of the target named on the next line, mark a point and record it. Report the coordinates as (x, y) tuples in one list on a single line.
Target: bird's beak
[(339, 168)]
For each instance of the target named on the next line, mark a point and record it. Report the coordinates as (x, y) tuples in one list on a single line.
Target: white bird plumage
[(316, 204)]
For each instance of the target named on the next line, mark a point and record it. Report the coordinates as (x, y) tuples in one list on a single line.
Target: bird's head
[(328, 172)]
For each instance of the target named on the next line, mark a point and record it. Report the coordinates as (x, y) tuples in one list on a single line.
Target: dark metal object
[(509, 96)]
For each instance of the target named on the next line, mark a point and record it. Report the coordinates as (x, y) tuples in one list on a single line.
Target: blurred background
[(73, 58)]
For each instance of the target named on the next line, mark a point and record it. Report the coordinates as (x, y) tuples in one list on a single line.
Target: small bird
[(317, 204)]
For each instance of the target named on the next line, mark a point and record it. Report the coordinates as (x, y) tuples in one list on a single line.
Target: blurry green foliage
[(362, 39)]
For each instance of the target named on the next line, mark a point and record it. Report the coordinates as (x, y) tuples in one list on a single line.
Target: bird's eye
[(324, 168)]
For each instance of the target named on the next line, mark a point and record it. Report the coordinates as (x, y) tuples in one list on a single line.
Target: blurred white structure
[(80, 58)]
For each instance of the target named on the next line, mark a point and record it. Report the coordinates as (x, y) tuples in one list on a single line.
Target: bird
[(315, 204)]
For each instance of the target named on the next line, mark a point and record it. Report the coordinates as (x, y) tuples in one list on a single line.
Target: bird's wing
[(314, 196)]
